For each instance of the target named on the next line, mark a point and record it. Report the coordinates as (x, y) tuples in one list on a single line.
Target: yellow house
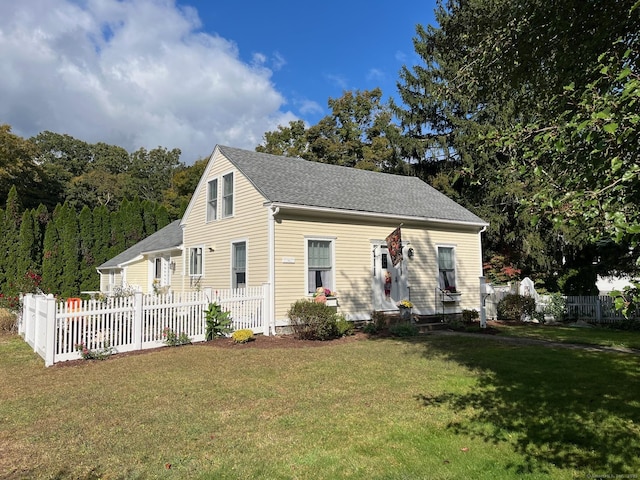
[(151, 265), (258, 219)]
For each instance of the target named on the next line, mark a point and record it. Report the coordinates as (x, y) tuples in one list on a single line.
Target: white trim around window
[(320, 263)]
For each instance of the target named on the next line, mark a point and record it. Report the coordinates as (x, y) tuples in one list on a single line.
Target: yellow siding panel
[(354, 264), (137, 274), (249, 223)]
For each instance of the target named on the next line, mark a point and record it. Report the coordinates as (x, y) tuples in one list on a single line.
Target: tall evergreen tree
[(41, 219), (89, 279), (52, 260), (27, 257), (102, 234), (70, 250), (133, 222), (11, 236)]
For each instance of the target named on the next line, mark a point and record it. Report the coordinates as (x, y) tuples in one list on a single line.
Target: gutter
[(386, 216)]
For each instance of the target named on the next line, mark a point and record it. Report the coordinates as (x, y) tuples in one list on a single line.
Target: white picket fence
[(136, 322), (594, 309), (598, 309)]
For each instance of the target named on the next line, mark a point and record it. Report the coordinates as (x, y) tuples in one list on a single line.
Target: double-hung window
[(447, 268), (227, 195), (319, 264), (212, 200), (195, 261)]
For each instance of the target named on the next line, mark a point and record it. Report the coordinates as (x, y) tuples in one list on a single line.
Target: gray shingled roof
[(300, 182), (164, 239)]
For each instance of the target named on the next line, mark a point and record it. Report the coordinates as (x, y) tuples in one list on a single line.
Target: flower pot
[(405, 313)]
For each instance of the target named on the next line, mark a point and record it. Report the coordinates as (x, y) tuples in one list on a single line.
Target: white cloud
[(309, 107), (134, 73), (375, 74), (337, 80)]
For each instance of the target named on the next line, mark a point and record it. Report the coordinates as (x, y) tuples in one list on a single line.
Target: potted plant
[(326, 296), (405, 307)]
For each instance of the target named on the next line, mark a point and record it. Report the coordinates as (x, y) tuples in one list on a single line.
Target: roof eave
[(162, 250), (290, 206)]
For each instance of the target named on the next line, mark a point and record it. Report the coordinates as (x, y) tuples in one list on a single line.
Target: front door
[(389, 282)]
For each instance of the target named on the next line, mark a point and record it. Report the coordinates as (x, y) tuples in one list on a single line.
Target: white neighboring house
[(607, 284), (150, 265)]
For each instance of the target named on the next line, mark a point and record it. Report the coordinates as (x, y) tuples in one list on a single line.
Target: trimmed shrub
[(514, 307), (468, 316), (370, 328), (344, 326), (403, 330), (242, 336), (312, 321)]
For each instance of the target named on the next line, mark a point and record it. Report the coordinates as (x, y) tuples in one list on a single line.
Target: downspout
[(483, 288), (271, 320)]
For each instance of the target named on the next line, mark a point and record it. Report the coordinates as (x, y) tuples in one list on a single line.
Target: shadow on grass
[(570, 408)]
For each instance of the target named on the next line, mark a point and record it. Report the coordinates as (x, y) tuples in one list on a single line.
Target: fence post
[(37, 324), (137, 320), (266, 318), (26, 300), (51, 323), (598, 310), (483, 312)]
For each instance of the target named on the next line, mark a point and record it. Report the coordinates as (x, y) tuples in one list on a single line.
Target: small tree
[(218, 322)]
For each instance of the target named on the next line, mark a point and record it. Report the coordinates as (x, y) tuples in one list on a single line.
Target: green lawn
[(434, 407), (602, 336)]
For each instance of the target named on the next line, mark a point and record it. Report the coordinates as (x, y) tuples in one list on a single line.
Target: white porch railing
[(134, 322)]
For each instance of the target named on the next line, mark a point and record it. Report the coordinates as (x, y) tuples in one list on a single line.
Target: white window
[(239, 267), (320, 271), (227, 195), (195, 261), (212, 200), (447, 268)]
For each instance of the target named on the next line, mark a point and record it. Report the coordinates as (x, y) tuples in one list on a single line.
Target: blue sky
[(193, 73)]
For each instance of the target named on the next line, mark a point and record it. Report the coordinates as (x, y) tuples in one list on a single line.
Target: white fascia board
[(480, 225), (163, 250)]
